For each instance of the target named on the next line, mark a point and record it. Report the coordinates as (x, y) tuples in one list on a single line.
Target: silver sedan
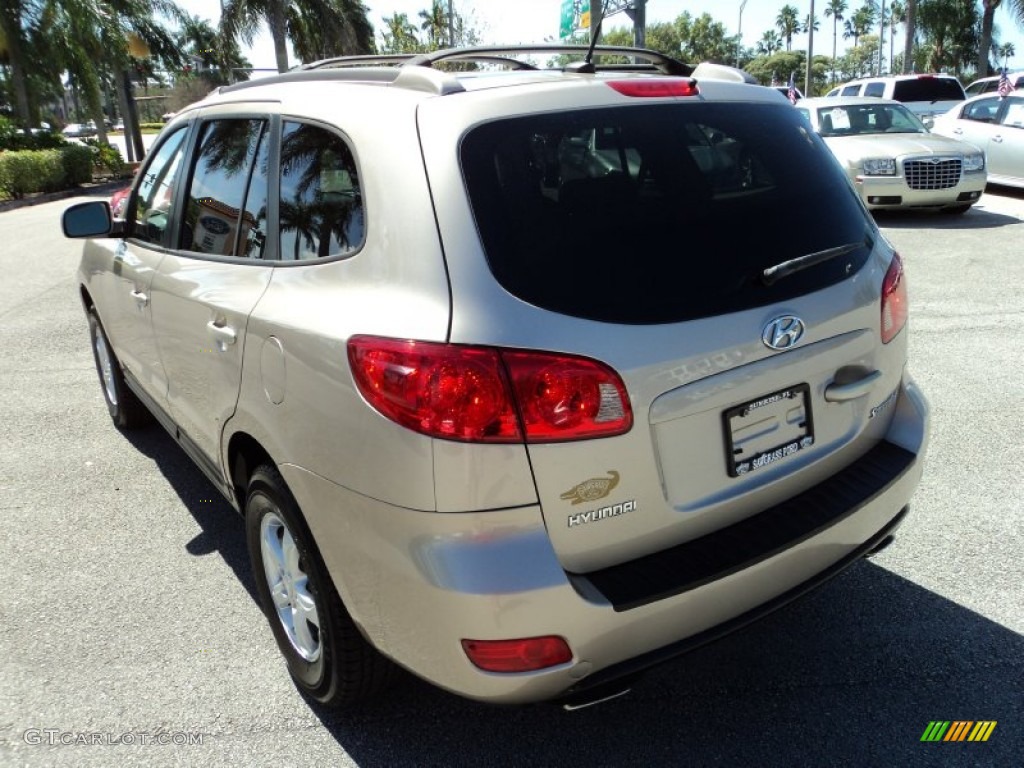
[(892, 159), (996, 125)]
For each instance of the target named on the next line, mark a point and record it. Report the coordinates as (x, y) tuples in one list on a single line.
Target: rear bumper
[(418, 583)]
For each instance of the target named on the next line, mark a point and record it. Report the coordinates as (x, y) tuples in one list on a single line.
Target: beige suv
[(511, 372)]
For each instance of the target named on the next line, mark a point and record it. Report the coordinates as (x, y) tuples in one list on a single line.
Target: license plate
[(768, 429)]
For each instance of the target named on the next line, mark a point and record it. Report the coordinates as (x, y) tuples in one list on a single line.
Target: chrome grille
[(932, 174)]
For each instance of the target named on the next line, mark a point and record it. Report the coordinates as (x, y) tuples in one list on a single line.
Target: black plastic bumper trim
[(694, 563), (632, 668)]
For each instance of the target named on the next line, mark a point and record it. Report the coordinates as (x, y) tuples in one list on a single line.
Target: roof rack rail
[(658, 61), (418, 72)]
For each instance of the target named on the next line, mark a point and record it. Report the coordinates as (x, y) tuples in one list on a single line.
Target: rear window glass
[(659, 213), (928, 89)]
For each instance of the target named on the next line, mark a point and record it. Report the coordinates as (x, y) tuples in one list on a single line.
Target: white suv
[(925, 95), (512, 374)]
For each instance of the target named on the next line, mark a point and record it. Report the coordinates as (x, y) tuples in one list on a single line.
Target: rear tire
[(328, 658), (126, 410)]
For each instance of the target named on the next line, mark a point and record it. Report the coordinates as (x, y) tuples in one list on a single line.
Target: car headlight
[(880, 166), (974, 162)]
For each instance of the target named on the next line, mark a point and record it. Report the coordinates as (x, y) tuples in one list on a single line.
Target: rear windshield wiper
[(787, 268)]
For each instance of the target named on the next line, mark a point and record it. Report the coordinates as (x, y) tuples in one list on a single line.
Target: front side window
[(874, 89), (214, 215), (321, 200), (151, 209), (655, 214)]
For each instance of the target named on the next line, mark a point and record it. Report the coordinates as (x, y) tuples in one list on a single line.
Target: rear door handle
[(958, 131), (840, 393), (997, 139), (224, 334), (141, 299)]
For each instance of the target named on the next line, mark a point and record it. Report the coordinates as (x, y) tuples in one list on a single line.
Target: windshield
[(659, 213), (866, 119)]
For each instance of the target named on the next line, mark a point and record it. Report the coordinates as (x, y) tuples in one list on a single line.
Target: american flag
[(1005, 86), (792, 89)]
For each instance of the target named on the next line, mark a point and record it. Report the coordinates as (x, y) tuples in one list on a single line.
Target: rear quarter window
[(928, 89), (659, 213)]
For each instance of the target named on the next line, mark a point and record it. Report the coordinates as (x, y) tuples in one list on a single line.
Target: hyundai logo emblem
[(783, 332)]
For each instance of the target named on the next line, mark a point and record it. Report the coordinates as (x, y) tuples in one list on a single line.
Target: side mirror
[(90, 219)]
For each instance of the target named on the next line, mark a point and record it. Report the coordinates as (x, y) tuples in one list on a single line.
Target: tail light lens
[(524, 655), (482, 394), (894, 300)]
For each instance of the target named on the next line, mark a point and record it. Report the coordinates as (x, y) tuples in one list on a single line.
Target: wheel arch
[(244, 454)]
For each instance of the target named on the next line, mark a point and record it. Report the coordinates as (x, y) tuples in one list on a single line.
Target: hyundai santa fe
[(511, 371)]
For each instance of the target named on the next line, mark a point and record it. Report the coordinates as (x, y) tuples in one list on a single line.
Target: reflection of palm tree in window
[(320, 197)]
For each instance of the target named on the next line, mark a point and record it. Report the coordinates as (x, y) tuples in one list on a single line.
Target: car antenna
[(586, 67)]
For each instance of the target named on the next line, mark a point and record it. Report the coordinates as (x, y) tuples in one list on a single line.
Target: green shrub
[(151, 126), (105, 156), (78, 162), (32, 171)]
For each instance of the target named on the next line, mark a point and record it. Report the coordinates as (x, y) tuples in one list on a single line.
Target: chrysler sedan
[(892, 159), (997, 126)]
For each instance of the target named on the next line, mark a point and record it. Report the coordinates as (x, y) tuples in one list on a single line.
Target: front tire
[(328, 658), (126, 410)]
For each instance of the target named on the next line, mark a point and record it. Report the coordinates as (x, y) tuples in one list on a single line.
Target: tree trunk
[(985, 43), (278, 31), (10, 23), (908, 45)]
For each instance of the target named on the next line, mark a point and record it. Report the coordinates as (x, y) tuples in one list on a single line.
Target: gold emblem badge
[(593, 489)]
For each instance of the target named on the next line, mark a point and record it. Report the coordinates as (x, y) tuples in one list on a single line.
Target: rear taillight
[(894, 300), (524, 655), (666, 87), (481, 394)]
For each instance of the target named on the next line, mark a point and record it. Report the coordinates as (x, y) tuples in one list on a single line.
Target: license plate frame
[(778, 402)]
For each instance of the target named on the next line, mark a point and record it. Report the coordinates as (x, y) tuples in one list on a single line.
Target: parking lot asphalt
[(130, 636)]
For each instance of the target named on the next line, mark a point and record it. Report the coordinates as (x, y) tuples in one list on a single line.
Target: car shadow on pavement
[(222, 527), (851, 675), (976, 218)]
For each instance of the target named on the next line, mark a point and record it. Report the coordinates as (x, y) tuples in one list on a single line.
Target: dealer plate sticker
[(769, 428)]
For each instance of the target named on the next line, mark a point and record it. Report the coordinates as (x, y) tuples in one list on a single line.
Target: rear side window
[(321, 201), (983, 110), (928, 89), (851, 90), (656, 214), (874, 89), (152, 205), (214, 216)]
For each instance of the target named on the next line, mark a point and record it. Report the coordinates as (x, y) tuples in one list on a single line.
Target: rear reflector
[(656, 88), (894, 300), (488, 395), (525, 655)]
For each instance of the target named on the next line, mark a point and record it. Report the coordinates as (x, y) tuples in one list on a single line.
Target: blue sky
[(534, 20)]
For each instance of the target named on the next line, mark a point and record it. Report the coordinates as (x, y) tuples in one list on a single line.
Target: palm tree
[(1016, 8), (835, 9), (1006, 51), (435, 24), (317, 28), (16, 20), (769, 43), (897, 16), (399, 34), (911, 31), (788, 22)]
